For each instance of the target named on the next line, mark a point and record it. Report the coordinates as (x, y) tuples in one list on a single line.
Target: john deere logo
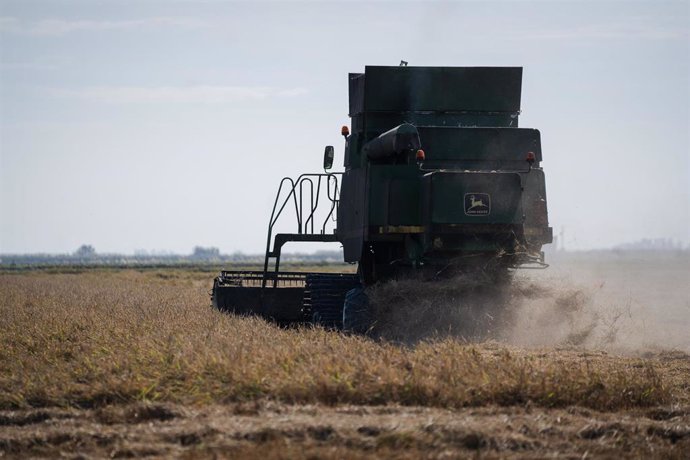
[(477, 204)]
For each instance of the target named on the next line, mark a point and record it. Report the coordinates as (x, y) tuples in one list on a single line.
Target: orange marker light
[(421, 156), (345, 131)]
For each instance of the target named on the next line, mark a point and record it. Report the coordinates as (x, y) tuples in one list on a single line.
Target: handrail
[(304, 226), (311, 206), (334, 200)]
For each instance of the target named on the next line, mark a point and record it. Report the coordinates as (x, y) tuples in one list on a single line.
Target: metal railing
[(309, 185)]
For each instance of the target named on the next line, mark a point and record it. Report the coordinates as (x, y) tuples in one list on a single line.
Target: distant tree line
[(653, 244), (86, 254)]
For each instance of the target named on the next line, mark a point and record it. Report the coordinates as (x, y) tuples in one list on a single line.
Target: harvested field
[(136, 363), (273, 430)]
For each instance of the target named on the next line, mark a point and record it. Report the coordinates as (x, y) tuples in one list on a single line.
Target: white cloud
[(175, 94), (57, 27)]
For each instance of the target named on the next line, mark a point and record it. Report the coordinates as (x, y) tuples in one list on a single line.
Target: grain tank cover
[(436, 89)]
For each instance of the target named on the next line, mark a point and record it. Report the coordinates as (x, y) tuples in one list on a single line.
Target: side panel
[(472, 89), (403, 201), (394, 195), (283, 305), (351, 213), (379, 122), (537, 230), (385, 97), (506, 147), (356, 93), (473, 198)]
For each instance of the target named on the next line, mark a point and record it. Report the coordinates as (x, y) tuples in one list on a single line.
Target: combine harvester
[(438, 180)]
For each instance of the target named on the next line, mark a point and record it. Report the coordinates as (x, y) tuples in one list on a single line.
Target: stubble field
[(121, 363)]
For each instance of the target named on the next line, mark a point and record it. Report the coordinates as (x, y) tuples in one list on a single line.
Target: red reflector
[(420, 155), (531, 158)]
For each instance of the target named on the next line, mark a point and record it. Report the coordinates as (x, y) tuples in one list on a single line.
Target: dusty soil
[(270, 430)]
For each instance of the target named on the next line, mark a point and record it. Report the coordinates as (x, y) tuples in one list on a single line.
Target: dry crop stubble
[(128, 363), (91, 339)]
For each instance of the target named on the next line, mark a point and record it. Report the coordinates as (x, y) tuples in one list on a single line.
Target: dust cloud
[(622, 302)]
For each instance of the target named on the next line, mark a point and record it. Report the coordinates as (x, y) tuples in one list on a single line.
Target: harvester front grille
[(286, 297), (255, 278)]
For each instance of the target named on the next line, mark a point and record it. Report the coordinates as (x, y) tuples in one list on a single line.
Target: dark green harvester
[(438, 179)]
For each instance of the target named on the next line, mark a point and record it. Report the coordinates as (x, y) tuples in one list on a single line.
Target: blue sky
[(162, 125)]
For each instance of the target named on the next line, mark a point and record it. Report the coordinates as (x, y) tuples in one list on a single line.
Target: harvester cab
[(438, 179)]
